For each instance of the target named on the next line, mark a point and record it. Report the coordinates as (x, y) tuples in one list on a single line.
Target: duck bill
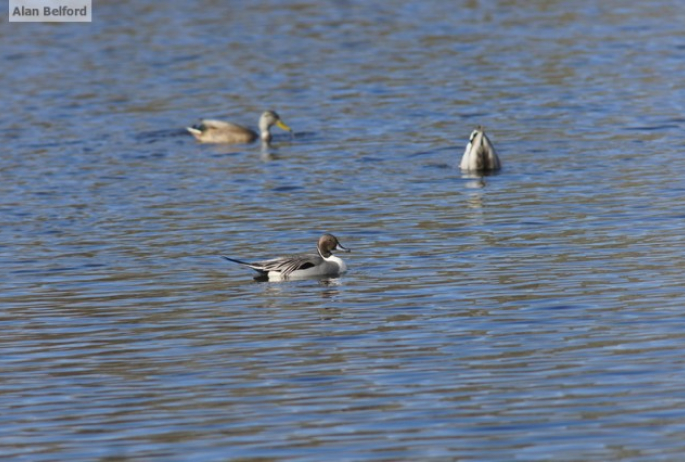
[(283, 126), (340, 247)]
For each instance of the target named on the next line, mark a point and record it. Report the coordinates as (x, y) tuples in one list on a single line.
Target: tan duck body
[(218, 131)]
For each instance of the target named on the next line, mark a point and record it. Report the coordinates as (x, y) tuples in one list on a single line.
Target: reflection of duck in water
[(217, 131), (480, 155), (322, 264)]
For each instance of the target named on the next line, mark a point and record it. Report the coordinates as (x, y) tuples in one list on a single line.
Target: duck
[(218, 131), (322, 264), (480, 154)]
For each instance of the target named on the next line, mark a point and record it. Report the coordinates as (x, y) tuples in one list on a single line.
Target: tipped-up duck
[(480, 154)]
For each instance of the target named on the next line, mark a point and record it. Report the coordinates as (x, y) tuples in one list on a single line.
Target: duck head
[(267, 120), (327, 244)]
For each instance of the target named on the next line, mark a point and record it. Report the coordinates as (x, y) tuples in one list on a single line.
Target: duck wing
[(286, 265), (492, 161), (213, 124), (283, 265)]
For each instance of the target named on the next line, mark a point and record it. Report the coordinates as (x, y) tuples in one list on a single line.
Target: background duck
[(218, 131), (480, 154)]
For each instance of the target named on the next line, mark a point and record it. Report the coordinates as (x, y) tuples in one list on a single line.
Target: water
[(535, 314)]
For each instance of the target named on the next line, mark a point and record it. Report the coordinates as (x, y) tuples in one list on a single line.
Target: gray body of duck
[(322, 264), (480, 154), (218, 131)]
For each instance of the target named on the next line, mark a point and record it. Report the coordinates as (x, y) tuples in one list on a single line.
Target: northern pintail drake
[(218, 131), (480, 154), (322, 264)]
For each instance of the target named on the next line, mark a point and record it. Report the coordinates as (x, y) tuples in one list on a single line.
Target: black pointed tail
[(240, 262)]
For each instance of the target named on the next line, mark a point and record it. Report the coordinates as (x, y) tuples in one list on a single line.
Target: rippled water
[(535, 314)]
